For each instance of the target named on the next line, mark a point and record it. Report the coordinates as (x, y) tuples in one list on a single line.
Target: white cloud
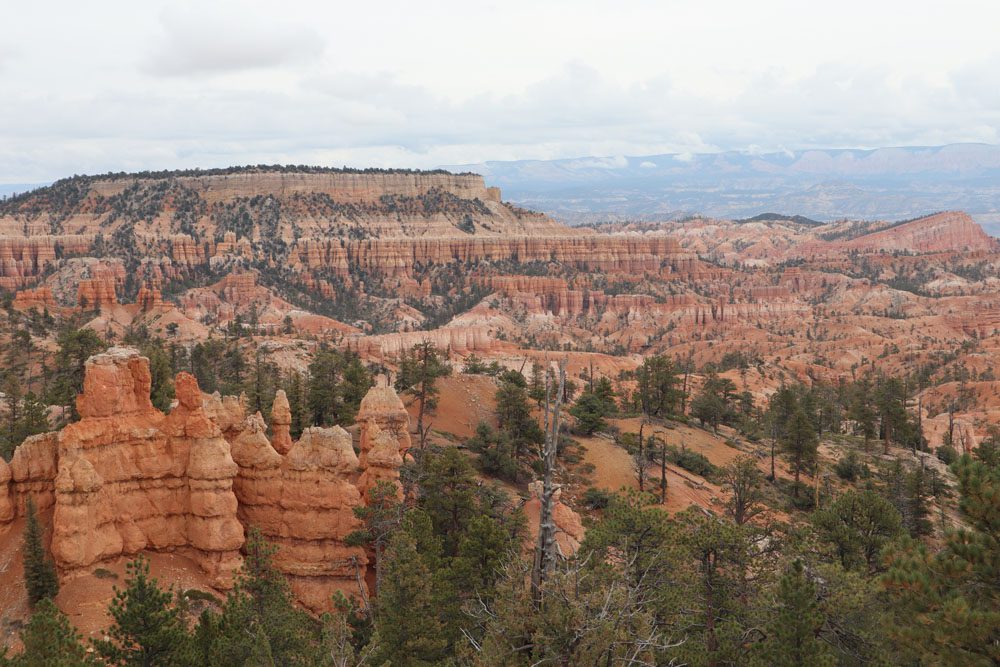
[(157, 85), (197, 41)]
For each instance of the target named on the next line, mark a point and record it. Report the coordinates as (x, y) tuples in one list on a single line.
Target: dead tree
[(640, 461), (663, 471), (545, 549)]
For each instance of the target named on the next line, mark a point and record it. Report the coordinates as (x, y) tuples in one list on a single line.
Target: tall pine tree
[(39, 572), (148, 629)]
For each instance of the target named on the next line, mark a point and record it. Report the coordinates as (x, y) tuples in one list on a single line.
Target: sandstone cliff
[(126, 478)]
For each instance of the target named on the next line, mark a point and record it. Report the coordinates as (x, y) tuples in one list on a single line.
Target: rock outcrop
[(126, 478), (40, 298), (131, 479), (569, 525), (281, 421)]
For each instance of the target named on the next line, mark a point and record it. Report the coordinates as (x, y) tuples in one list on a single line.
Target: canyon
[(279, 265)]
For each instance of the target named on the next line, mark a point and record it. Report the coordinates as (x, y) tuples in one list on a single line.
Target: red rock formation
[(96, 293), (382, 408), (455, 340), (303, 502), (129, 479), (281, 420), (39, 298), (24, 258), (149, 299), (126, 478), (598, 252)]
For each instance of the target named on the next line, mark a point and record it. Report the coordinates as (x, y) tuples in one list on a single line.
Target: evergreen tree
[(295, 391), (206, 360), (861, 411), (780, 409), (482, 552), (536, 388), (337, 383), (589, 411), (496, 453), (656, 387), (947, 605), (448, 494), (858, 525), (75, 347), (743, 480), (380, 518), (262, 384), (419, 371), (713, 404), (26, 416), (408, 628), (793, 633), (514, 414), (799, 443), (161, 373), (148, 630), (50, 640), (40, 577)]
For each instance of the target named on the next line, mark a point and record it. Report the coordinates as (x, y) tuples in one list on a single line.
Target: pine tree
[(792, 635), (858, 525), (380, 518), (656, 387), (161, 373), (148, 629), (743, 480), (448, 496), (40, 577), (75, 347), (419, 371), (262, 599), (514, 414), (482, 552), (799, 443), (408, 629), (947, 604), (295, 392), (589, 412), (50, 640)]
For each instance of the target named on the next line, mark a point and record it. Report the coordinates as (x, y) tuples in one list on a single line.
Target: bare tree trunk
[(663, 472), (641, 464), (545, 548)]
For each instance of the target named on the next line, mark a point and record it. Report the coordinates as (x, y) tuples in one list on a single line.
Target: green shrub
[(850, 468), (195, 594), (691, 461), (946, 454), (596, 499)]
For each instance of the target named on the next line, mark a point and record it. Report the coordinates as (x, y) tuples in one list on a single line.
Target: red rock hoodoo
[(126, 478)]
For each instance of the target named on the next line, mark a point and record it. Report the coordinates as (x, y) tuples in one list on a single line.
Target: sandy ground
[(463, 402), (83, 595)]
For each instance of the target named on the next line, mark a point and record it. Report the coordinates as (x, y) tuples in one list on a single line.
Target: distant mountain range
[(884, 183)]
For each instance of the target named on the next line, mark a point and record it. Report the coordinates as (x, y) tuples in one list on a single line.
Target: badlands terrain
[(281, 264)]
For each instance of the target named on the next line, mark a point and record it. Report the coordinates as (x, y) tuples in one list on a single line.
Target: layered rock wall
[(126, 478)]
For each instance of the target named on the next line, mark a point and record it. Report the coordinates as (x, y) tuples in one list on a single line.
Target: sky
[(96, 86)]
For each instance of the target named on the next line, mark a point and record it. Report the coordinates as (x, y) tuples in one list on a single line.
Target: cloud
[(7, 53), (212, 43), (382, 119)]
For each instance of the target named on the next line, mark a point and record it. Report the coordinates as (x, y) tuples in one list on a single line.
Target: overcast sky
[(94, 86)]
